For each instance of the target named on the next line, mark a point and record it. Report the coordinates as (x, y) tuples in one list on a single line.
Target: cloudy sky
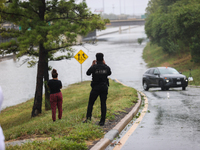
[(116, 6)]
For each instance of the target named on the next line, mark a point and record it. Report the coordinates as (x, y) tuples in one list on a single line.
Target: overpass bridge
[(131, 22), (116, 23), (91, 35)]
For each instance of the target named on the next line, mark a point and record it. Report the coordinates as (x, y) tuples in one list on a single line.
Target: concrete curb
[(109, 137), (194, 86)]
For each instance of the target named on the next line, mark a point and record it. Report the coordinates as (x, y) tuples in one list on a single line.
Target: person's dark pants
[(56, 101), (102, 91)]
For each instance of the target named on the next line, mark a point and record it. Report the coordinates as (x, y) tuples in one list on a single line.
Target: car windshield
[(168, 71)]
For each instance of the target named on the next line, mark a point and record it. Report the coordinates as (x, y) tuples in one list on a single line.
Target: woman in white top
[(2, 144)]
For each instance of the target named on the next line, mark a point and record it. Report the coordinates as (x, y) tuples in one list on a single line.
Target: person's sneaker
[(101, 123), (86, 120)]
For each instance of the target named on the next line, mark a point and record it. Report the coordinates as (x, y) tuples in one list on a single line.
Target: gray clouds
[(118, 6)]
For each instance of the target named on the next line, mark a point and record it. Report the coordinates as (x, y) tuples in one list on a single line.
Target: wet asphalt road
[(173, 122), (173, 118)]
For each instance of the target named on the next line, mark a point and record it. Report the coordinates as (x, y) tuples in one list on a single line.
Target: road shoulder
[(113, 133)]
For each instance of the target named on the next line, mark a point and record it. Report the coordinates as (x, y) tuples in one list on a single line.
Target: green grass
[(69, 132), (154, 57)]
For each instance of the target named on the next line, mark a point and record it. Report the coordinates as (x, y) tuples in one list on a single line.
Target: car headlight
[(167, 79), (185, 78)]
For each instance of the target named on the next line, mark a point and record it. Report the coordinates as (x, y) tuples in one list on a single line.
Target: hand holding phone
[(94, 62)]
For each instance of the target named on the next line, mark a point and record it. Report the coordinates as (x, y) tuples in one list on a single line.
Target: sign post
[(81, 57)]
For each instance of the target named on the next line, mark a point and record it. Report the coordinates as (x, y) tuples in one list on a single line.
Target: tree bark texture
[(37, 107), (46, 79)]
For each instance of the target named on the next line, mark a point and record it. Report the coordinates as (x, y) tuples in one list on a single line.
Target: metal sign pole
[(81, 57), (81, 72)]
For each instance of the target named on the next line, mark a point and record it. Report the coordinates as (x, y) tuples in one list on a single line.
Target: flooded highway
[(122, 54), (173, 118)]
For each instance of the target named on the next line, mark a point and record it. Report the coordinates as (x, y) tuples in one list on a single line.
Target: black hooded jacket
[(100, 72)]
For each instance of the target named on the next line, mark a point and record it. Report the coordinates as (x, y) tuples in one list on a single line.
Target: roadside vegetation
[(69, 132), (172, 26), (154, 56)]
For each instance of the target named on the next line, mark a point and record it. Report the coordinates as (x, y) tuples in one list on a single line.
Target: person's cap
[(99, 56)]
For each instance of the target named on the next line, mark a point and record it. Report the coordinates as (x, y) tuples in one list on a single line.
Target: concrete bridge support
[(120, 30)]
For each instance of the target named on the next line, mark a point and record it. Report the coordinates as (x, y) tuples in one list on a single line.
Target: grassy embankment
[(154, 57), (69, 132)]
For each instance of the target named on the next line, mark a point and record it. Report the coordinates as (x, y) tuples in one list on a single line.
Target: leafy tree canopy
[(54, 23), (46, 27), (173, 25)]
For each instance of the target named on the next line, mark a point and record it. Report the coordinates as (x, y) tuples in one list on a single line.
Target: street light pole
[(124, 7), (120, 6), (103, 7), (119, 9)]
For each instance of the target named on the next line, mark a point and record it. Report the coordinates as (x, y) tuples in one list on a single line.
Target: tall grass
[(154, 57), (17, 123)]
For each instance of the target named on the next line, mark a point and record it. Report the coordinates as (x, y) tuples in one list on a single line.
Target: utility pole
[(120, 6), (119, 9), (103, 7), (124, 7), (133, 8)]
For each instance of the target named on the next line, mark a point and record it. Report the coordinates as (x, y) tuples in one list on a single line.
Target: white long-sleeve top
[(2, 138)]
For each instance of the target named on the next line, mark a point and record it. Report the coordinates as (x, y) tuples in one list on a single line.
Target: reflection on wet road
[(173, 122)]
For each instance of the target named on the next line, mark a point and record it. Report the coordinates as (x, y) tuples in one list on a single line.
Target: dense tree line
[(174, 25)]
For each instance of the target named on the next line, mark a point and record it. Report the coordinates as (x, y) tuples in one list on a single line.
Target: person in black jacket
[(100, 71)]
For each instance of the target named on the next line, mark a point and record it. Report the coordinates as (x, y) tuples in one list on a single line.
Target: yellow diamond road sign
[(80, 56)]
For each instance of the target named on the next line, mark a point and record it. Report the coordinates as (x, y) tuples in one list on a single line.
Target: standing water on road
[(121, 52)]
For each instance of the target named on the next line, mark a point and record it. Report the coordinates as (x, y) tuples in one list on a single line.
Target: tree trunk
[(37, 106), (46, 79)]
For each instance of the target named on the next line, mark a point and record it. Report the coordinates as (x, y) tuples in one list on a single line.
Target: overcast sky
[(116, 6)]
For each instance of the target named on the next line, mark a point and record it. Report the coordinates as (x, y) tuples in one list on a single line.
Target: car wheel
[(167, 88), (145, 86), (183, 88), (162, 85)]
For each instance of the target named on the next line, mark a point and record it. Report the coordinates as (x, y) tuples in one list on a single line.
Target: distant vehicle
[(164, 77)]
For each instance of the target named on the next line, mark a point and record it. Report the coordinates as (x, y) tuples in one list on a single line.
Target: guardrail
[(126, 22)]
